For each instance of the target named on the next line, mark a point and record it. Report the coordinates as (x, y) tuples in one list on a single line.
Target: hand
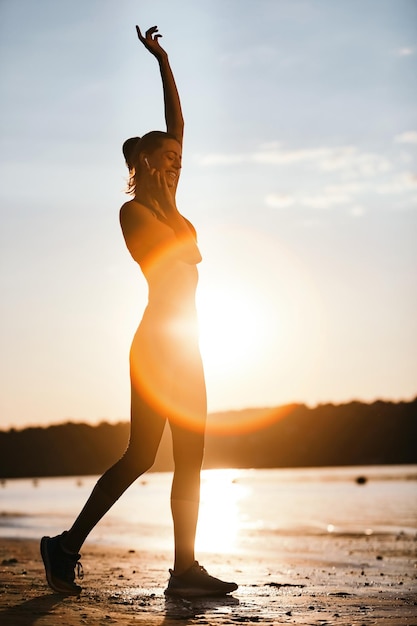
[(156, 188), (151, 43)]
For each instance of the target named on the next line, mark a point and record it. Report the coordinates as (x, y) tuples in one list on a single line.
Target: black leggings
[(146, 431)]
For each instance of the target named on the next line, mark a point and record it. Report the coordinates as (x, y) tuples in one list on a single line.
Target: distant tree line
[(327, 435), (296, 436)]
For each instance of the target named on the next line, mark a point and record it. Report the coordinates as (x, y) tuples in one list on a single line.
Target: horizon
[(299, 173), (125, 420)]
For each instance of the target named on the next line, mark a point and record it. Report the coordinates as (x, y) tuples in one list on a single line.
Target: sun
[(261, 326), (232, 325)]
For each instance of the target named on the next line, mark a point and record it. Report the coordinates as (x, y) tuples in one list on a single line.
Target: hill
[(291, 436)]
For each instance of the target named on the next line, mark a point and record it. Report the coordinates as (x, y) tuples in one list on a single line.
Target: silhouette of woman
[(166, 372)]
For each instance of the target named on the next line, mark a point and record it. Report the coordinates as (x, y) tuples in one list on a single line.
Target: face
[(167, 160)]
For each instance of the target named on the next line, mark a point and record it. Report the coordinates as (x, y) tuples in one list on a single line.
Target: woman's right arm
[(173, 112), (157, 186)]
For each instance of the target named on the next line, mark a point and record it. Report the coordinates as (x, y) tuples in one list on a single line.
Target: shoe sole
[(196, 593), (69, 591)]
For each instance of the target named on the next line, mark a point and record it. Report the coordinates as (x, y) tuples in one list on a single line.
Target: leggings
[(147, 426)]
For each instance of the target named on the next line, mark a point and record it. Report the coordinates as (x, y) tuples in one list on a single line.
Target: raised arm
[(173, 113)]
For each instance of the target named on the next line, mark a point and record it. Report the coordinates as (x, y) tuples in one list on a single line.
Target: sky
[(299, 173)]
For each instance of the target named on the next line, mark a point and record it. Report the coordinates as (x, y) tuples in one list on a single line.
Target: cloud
[(332, 196), (351, 162), (357, 210), (329, 197), (402, 183), (405, 52), (348, 160), (279, 200), (355, 174), (325, 200), (283, 157), (335, 195), (221, 159), (410, 136), (349, 188)]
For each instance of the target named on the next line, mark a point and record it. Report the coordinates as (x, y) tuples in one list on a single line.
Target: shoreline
[(351, 580)]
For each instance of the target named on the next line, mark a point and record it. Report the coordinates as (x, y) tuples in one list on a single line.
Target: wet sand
[(349, 580)]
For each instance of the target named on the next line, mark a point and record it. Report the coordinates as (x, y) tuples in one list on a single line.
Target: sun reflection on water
[(220, 514)]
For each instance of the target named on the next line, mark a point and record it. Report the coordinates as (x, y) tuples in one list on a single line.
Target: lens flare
[(165, 363)]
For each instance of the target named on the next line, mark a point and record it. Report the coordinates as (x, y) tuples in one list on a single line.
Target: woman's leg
[(189, 579), (188, 448), (145, 435)]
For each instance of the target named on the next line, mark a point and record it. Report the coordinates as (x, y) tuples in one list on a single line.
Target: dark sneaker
[(60, 566), (197, 582)]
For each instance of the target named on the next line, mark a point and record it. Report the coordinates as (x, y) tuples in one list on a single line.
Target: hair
[(132, 148)]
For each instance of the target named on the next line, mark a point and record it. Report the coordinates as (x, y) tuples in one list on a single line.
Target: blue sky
[(299, 172)]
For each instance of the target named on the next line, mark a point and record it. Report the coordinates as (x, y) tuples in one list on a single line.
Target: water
[(241, 510)]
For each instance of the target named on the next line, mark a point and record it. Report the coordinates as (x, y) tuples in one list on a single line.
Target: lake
[(241, 510)]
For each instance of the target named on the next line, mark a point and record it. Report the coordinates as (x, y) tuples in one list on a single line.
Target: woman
[(167, 379)]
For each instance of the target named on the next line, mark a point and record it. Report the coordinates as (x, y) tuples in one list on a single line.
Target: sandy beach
[(347, 580)]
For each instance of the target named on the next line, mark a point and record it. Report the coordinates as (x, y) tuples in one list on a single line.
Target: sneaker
[(195, 582), (60, 567)]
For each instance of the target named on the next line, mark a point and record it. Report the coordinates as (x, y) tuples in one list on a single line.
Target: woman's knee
[(136, 463), (123, 473)]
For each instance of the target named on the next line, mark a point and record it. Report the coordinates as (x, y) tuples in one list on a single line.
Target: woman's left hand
[(151, 43)]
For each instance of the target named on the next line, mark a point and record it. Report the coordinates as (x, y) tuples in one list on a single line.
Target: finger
[(151, 31), (141, 37), (164, 182), (152, 172)]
